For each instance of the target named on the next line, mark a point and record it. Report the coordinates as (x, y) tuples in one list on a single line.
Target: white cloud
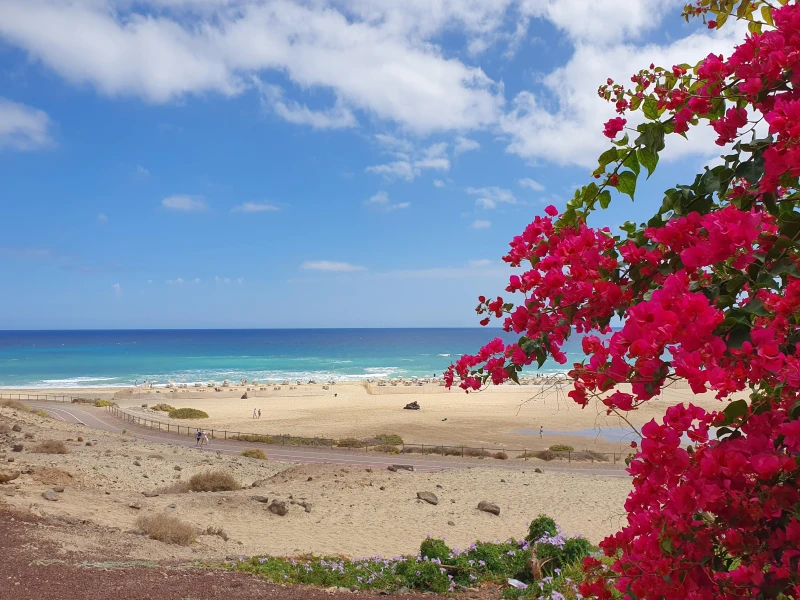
[(255, 207), (376, 59), (178, 281), (564, 125), (481, 224), (197, 280), (381, 201), (529, 183), (434, 157), (337, 117), (184, 203), (102, 219), (117, 289), (465, 145), (327, 265), (22, 127), (490, 197), (438, 183)]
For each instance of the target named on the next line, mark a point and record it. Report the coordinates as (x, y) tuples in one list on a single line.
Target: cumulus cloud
[(184, 203), (411, 163), (490, 197), (178, 281), (23, 128), (331, 266), (465, 145), (381, 202), (481, 224), (529, 183), (337, 117), (438, 183), (255, 207)]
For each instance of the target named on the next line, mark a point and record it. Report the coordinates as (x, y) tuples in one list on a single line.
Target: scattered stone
[(502, 481), (368, 470), (136, 463), (28, 436), (391, 468), (403, 467), (59, 489), (262, 499), (489, 507), (177, 468), (17, 448), (428, 497), (244, 396), (538, 470), (278, 507), (438, 487), (135, 505), (451, 523), (108, 493), (16, 428), (149, 494), (452, 500), (310, 479), (88, 443), (50, 495), (412, 406), (171, 506), (306, 506), (10, 459), (382, 488), (6, 476)]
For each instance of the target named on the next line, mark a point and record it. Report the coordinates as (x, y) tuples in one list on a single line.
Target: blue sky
[(327, 163)]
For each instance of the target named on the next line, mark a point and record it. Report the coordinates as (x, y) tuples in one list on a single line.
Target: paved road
[(100, 419)]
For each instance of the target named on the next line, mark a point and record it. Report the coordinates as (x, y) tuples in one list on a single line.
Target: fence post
[(525, 454), (462, 451), (569, 455)]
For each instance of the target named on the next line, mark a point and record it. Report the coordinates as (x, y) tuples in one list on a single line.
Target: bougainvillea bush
[(707, 291)]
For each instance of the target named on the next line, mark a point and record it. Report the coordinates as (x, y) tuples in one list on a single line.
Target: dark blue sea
[(42, 359)]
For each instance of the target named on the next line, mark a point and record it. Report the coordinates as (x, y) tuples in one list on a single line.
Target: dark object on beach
[(244, 396), (412, 406), (489, 507), (445, 419), (428, 497)]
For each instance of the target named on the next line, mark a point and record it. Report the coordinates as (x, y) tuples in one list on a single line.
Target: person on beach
[(255, 413), (197, 436), (541, 431), (259, 413), (205, 439)]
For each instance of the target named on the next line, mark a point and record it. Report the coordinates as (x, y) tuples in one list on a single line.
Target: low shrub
[(163, 407), (553, 557), (15, 404), (41, 413), (476, 452), (562, 448), (50, 447), (255, 453), (388, 438), (350, 443), (386, 448), (501, 455), (411, 450), (589, 455), (179, 487), (450, 451), (431, 548), (540, 527), (218, 531), (104, 403), (546, 455), (213, 481), (187, 413), (167, 528), (261, 439)]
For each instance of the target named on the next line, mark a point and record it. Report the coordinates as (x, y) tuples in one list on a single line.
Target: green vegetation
[(187, 413), (561, 448), (438, 568), (388, 438), (163, 407), (350, 443), (255, 453), (213, 481), (15, 404), (104, 403), (540, 527)]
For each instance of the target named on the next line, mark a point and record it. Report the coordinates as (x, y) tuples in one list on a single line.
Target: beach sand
[(508, 416), (354, 511)]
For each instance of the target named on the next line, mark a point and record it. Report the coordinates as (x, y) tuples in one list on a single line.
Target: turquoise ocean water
[(47, 359)]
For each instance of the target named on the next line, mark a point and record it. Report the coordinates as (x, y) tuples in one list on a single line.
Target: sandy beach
[(507, 416)]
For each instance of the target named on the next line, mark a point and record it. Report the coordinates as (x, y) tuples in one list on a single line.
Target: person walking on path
[(197, 437), (255, 413), (205, 439), (259, 413), (541, 431)]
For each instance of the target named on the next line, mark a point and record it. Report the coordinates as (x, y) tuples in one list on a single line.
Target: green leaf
[(607, 158), (635, 102), (650, 108), (754, 27), (785, 266), (651, 136), (627, 183), (735, 410), (648, 159), (632, 163), (666, 545), (589, 193), (628, 227), (605, 199), (766, 14), (755, 307), (752, 170)]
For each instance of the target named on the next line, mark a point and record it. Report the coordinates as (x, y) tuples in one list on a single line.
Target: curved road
[(100, 419)]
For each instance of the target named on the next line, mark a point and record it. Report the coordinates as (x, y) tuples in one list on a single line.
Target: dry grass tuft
[(50, 447), (501, 455), (179, 487), (15, 404), (41, 413), (218, 531), (350, 443), (213, 481), (104, 403), (52, 476), (163, 407), (255, 453), (167, 528)]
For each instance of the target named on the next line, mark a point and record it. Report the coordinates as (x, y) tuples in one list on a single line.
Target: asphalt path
[(100, 419)]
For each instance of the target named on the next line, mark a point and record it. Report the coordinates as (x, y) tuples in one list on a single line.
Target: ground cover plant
[(707, 292), (187, 413), (439, 568), (213, 481), (50, 447), (254, 453), (167, 528)]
